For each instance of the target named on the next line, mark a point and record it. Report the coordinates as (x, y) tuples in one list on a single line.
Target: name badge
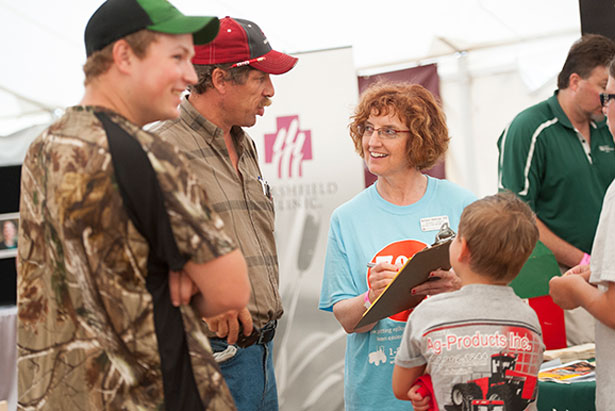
[(433, 223)]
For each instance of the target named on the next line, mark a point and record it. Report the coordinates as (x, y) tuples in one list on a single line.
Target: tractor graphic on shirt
[(504, 390), (377, 357)]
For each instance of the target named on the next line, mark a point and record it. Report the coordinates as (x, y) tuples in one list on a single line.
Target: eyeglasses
[(605, 98), (383, 132)]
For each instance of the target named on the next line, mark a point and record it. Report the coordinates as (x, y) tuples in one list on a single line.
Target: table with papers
[(570, 386)]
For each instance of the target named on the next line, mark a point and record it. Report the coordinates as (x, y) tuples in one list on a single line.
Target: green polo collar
[(561, 116)]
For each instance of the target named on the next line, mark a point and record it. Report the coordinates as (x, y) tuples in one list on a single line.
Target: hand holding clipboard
[(397, 296)]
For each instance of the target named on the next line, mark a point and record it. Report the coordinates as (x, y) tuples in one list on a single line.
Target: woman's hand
[(380, 276), (446, 281)]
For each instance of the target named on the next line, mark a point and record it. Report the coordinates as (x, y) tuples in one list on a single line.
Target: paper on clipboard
[(396, 296)]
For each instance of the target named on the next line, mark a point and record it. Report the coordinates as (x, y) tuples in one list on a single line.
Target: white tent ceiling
[(42, 41), (42, 46)]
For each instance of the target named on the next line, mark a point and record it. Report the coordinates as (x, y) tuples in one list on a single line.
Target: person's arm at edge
[(572, 291), (600, 304), (404, 378), (565, 253), (223, 283)]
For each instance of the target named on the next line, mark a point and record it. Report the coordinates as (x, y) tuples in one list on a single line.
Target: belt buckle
[(267, 334), (258, 336)]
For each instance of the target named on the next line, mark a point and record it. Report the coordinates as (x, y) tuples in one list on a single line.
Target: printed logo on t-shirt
[(491, 364), (377, 357), (397, 253)]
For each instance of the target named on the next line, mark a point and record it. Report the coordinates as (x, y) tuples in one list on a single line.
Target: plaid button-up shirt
[(238, 198)]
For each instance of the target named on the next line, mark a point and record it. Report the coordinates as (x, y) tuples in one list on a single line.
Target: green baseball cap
[(115, 19)]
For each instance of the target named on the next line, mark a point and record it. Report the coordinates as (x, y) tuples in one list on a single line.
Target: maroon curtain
[(426, 76)]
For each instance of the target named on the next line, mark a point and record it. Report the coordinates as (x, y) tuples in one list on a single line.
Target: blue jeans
[(249, 375)]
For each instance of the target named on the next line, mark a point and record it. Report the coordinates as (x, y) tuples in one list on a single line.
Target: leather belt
[(259, 335)]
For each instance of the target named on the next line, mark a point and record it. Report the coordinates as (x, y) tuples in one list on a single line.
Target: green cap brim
[(203, 29)]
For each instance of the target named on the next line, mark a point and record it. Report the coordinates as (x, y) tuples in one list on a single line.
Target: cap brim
[(204, 29), (275, 63)]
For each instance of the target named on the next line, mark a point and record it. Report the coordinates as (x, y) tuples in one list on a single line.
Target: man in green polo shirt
[(559, 157)]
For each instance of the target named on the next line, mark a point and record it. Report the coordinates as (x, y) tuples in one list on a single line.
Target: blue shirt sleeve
[(337, 283)]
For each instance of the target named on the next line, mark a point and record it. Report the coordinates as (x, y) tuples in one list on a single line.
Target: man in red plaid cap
[(234, 86)]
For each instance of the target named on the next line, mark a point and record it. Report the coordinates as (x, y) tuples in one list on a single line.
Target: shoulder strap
[(141, 193), (144, 203)]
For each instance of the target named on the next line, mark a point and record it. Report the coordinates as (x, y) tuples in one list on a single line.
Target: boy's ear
[(464, 251)]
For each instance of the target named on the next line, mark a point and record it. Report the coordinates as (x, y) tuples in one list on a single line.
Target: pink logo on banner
[(288, 147)]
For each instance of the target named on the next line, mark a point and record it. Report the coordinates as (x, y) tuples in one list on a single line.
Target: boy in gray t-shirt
[(481, 344)]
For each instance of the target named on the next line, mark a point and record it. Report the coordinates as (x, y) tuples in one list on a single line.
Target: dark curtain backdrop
[(427, 76), (9, 203), (597, 17)]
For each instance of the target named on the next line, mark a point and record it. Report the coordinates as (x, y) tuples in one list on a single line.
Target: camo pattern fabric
[(86, 337)]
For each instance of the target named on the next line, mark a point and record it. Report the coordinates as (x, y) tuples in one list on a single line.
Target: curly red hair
[(417, 108)]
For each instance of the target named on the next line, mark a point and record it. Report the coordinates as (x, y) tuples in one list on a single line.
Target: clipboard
[(396, 296)]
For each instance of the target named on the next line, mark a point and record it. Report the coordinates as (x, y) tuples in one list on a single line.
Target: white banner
[(308, 158)]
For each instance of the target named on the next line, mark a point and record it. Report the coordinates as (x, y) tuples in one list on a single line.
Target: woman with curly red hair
[(399, 130)]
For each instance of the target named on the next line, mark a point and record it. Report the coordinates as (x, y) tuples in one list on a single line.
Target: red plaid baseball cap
[(242, 42)]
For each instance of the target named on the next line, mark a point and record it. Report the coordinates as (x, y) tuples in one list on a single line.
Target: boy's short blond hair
[(501, 233)]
